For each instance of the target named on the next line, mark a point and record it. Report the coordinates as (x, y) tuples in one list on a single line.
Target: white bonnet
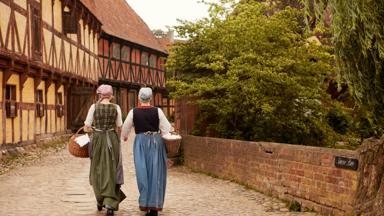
[(145, 94)]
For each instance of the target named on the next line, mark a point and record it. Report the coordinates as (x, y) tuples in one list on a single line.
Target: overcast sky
[(161, 13)]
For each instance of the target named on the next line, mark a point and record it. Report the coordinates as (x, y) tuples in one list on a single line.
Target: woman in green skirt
[(106, 173)]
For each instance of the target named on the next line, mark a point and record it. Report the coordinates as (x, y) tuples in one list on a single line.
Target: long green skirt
[(105, 173)]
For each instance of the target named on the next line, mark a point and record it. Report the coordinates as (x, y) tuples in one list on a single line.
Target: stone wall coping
[(280, 146)]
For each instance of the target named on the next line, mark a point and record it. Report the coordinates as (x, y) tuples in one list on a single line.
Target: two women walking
[(150, 158)]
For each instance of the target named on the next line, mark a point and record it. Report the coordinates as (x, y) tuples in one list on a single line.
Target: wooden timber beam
[(23, 79), (7, 74), (37, 82)]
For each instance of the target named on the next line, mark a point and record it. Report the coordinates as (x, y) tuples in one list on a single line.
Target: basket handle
[(82, 128)]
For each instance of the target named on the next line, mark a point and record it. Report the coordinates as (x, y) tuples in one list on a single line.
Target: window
[(59, 105), (125, 53), (116, 50), (144, 59), (10, 101), (36, 33), (10, 92), (39, 103), (152, 61), (69, 21)]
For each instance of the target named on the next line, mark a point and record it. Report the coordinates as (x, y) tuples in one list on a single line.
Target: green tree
[(159, 33), (255, 75), (358, 36)]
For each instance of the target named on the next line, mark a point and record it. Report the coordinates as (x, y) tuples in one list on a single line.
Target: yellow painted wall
[(47, 11), (40, 122), (25, 125), (32, 128), (92, 70), (1, 99), (4, 19), (86, 38), (21, 24), (74, 53), (50, 115), (91, 41), (96, 44), (28, 122), (48, 40), (21, 3), (1, 81), (66, 50), (82, 31), (95, 69), (13, 80), (58, 16), (72, 36), (82, 69), (58, 48), (28, 93)]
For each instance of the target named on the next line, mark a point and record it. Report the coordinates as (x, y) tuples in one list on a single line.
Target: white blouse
[(89, 120), (164, 125)]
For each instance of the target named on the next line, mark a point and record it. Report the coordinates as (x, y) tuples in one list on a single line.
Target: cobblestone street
[(58, 185)]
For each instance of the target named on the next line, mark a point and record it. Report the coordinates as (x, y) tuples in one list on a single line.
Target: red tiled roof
[(120, 20), (165, 42)]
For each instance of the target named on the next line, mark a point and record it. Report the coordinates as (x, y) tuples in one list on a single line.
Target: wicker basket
[(75, 149), (173, 147)]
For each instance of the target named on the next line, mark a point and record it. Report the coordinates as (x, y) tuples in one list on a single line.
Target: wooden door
[(79, 101)]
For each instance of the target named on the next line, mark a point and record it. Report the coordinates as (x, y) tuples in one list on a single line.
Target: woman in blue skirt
[(149, 151)]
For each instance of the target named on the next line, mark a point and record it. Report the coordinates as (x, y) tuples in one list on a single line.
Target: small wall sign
[(346, 163)]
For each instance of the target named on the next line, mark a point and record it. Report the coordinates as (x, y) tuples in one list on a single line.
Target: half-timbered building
[(48, 62), (129, 55), (53, 54)]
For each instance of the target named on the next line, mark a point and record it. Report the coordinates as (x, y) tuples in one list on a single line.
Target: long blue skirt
[(151, 170)]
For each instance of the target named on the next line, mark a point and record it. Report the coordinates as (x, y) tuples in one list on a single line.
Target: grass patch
[(294, 206)]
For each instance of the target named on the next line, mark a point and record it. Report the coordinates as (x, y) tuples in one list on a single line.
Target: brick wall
[(305, 174)]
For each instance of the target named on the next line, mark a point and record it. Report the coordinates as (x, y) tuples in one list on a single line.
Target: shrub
[(338, 120)]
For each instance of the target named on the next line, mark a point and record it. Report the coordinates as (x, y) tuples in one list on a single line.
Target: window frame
[(39, 101), (10, 101)]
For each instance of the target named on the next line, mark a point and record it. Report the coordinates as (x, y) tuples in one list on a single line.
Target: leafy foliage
[(338, 120), (358, 35), (255, 74)]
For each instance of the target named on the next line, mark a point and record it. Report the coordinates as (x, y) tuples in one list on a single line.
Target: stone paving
[(58, 185)]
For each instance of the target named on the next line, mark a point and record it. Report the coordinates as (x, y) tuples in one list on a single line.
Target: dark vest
[(146, 119)]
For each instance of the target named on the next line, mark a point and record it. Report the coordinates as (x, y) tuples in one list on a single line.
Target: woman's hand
[(88, 129)]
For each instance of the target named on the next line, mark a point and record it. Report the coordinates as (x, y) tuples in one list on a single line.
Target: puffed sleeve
[(88, 121), (164, 125), (119, 119), (127, 126)]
